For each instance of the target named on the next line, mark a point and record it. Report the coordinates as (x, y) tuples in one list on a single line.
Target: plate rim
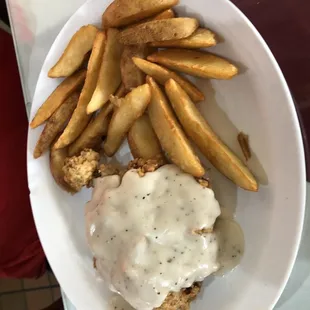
[(301, 148)]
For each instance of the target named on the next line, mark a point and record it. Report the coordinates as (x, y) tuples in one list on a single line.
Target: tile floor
[(28, 294)]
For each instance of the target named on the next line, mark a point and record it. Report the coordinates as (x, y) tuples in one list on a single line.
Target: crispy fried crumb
[(79, 170), (145, 165), (181, 300), (107, 169), (204, 182), (204, 231), (243, 140)]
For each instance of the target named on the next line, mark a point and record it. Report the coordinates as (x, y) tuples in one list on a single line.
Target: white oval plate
[(259, 103)]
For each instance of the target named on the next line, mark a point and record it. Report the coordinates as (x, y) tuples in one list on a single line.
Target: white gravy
[(142, 231)]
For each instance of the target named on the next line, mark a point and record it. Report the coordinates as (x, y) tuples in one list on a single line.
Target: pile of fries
[(141, 46)]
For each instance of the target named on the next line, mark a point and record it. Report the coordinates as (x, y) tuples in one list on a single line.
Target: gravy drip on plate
[(143, 233), (230, 237), (117, 302)]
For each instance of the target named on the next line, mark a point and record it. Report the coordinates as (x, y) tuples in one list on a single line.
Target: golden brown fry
[(170, 134), (208, 142), (162, 75), (91, 137), (164, 15), (85, 61), (124, 12), (244, 143), (143, 141), (131, 108), (132, 76), (201, 64), (57, 161), (110, 74), (57, 97), (74, 54), (201, 38), (80, 118), (55, 124), (159, 30)]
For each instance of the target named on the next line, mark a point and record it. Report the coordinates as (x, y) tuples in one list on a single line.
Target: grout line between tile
[(24, 294), (53, 295), (49, 278), (26, 290), (50, 282), (1, 301)]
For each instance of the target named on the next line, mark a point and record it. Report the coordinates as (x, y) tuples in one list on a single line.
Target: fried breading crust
[(145, 165), (79, 170), (181, 300)]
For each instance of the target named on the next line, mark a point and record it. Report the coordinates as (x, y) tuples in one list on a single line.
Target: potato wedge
[(74, 54), (201, 38), (80, 118), (163, 15), (124, 12), (170, 134), (110, 74), (91, 137), (57, 97), (143, 141), (201, 64), (55, 124), (162, 75), (57, 161), (131, 108), (132, 76), (197, 128), (159, 30)]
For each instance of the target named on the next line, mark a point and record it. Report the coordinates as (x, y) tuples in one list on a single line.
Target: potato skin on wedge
[(143, 141), (74, 54), (162, 75), (170, 134), (196, 63), (109, 77), (55, 124), (126, 112), (132, 76), (159, 30), (197, 128), (91, 137), (80, 118), (57, 162), (57, 97), (123, 12), (201, 38), (162, 15)]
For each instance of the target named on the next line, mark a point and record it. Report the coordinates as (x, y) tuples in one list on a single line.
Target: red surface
[(285, 26), (21, 254)]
